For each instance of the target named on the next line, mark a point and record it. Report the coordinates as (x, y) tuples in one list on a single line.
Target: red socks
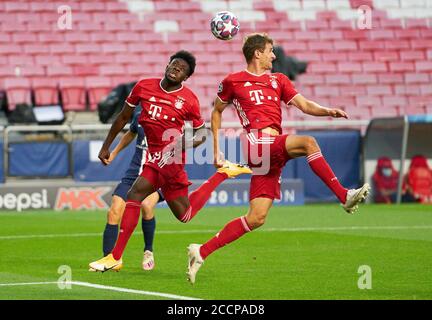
[(129, 222), (232, 231), (199, 197), (132, 212), (321, 168)]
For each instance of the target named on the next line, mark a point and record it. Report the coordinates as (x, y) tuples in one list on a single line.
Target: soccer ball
[(224, 25)]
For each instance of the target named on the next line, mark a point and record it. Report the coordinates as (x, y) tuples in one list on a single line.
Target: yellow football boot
[(106, 263), (234, 169)]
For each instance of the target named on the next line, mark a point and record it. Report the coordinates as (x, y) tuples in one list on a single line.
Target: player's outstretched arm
[(314, 109), (125, 140), (118, 124), (199, 137), (216, 120)]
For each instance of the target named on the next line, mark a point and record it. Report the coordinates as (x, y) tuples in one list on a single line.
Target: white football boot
[(195, 261), (354, 197), (148, 260)]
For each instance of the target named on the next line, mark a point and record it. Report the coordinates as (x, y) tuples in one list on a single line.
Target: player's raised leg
[(148, 225), (298, 146), (185, 208), (255, 218)]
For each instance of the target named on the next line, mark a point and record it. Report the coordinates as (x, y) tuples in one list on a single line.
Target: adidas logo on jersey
[(152, 99), (247, 84)]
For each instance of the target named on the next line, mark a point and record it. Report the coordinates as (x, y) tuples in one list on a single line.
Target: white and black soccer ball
[(225, 25)]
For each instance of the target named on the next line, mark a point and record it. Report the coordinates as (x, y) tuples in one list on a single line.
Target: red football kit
[(257, 99), (162, 118)]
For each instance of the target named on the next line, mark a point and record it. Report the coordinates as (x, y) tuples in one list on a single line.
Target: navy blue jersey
[(138, 158), (136, 164)]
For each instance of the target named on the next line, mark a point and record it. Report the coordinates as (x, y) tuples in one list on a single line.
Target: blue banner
[(341, 149), (236, 193), (87, 166), (1, 163), (39, 159)]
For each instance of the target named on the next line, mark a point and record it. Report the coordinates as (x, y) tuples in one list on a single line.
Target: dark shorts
[(266, 155), (124, 186)]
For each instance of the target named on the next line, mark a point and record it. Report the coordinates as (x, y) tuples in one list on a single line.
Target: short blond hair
[(255, 41)]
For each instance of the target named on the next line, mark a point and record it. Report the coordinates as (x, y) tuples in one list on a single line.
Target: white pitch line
[(352, 228), (25, 284), (102, 287), (299, 229)]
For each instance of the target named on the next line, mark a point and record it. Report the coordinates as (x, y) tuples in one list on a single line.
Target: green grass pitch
[(307, 252)]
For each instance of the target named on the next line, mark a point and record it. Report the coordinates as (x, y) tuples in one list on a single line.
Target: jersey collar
[(254, 74), (160, 85)]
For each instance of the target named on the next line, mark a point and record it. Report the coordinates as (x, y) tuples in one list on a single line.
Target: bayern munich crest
[(178, 103), (274, 84)]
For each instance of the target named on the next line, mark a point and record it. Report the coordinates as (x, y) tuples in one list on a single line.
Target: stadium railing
[(98, 132)]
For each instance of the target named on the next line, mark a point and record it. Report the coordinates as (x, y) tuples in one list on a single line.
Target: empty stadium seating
[(386, 70)]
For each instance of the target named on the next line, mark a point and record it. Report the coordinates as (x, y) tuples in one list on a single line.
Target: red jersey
[(163, 110), (257, 98)]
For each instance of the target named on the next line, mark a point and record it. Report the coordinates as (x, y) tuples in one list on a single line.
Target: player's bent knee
[(147, 212), (114, 216), (256, 220), (311, 145)]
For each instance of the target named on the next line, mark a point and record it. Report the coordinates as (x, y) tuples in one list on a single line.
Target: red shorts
[(171, 178), (266, 155)]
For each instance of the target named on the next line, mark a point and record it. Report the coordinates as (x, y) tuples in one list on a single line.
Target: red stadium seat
[(190, 6), (93, 6), (18, 91), (31, 71), (72, 59), (17, 6), (73, 94), (116, 6), (97, 89), (45, 91), (7, 71), (417, 78), (338, 79), (112, 70), (139, 70), (21, 60), (358, 113), (394, 101), (379, 90), (392, 62), (161, 6), (390, 78), (48, 37), (410, 110), (59, 70), (77, 37), (47, 59), (85, 70), (42, 6)]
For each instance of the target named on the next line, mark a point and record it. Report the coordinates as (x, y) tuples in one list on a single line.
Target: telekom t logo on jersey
[(154, 111), (256, 96)]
